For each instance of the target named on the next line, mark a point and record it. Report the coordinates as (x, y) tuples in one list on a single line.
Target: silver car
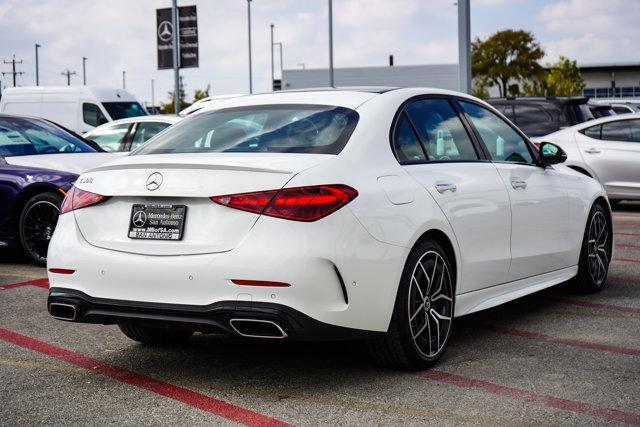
[(127, 134), (607, 149)]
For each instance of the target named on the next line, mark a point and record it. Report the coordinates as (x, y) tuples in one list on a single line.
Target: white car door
[(539, 203), (612, 151), (432, 143)]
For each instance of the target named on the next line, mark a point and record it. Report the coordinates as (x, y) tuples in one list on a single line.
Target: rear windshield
[(122, 110), (259, 129)]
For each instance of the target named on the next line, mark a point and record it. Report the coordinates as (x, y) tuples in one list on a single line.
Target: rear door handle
[(592, 151), (518, 184), (446, 186)]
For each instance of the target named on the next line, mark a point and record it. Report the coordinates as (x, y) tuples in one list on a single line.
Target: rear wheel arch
[(28, 193), (447, 245)]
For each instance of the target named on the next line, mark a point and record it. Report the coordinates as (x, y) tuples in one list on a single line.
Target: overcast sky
[(118, 35)]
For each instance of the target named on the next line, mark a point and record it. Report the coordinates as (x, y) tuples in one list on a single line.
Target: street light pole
[(272, 67), (331, 81), (153, 95), (249, 31), (176, 64), (84, 70), (464, 46), (37, 71), (124, 86), (279, 44)]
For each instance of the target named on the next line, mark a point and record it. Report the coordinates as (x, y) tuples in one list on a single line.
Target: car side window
[(92, 115), (440, 130), (147, 130), (531, 115), (621, 130), (406, 143), (502, 141), (592, 132), (110, 138)]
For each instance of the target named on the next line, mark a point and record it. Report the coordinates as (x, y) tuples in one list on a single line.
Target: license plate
[(157, 222)]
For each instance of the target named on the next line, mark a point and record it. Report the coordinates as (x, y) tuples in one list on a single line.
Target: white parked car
[(203, 103), (129, 134), (607, 149), (79, 108), (326, 215)]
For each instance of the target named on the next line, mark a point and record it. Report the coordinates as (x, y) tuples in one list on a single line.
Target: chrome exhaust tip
[(255, 328), (62, 311)]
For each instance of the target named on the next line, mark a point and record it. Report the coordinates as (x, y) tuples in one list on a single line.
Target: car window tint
[(616, 131), (13, 142), (147, 130), (20, 136), (440, 130), (621, 109), (110, 138), (592, 132), (502, 141), (405, 142), (530, 115), (92, 115)]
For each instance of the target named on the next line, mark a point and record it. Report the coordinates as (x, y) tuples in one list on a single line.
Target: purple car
[(39, 161)]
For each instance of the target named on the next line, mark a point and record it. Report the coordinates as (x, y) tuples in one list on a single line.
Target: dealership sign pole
[(464, 46), (177, 49)]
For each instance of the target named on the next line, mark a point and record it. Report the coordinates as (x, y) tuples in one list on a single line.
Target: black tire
[(155, 337), (38, 220), (593, 265), (398, 348)]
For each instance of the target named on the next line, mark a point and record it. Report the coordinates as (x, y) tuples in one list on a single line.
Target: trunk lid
[(185, 179)]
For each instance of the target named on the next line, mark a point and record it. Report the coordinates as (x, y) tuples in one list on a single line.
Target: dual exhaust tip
[(248, 328)]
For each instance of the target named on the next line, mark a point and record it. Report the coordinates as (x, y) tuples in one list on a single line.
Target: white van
[(79, 108)]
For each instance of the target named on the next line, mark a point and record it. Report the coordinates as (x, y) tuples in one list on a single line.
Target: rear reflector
[(77, 199), (259, 283), (297, 204), (61, 271)]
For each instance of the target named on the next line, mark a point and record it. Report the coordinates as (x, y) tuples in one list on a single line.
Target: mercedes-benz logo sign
[(139, 219), (165, 31), (154, 181)]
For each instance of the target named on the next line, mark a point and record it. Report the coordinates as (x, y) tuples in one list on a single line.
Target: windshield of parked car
[(23, 137), (259, 129), (122, 110)]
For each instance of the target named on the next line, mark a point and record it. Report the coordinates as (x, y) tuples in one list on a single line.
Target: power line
[(68, 74), (13, 71)]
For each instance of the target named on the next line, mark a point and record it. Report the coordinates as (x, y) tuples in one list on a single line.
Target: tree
[(507, 56), (168, 107), (564, 78), (201, 94), (480, 87)]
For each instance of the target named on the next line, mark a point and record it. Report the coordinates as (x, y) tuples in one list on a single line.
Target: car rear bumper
[(239, 318)]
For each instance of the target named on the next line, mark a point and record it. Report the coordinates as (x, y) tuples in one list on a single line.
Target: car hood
[(67, 162)]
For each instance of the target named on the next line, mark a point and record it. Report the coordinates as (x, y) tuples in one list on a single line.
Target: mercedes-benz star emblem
[(154, 181), (165, 31), (139, 219)]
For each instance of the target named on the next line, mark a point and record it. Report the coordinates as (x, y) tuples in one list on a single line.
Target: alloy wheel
[(598, 247), (38, 225), (430, 304)]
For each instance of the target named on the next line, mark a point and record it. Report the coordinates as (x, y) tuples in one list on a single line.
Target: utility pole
[(331, 80), (37, 73), (176, 58), (272, 68), (13, 71), (249, 31), (153, 95), (124, 83), (464, 46), (68, 74), (84, 70)]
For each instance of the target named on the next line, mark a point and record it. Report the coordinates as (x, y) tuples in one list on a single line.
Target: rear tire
[(595, 255), (422, 318), (155, 337), (37, 222)]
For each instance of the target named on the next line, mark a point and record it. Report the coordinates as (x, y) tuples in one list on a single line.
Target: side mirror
[(551, 154)]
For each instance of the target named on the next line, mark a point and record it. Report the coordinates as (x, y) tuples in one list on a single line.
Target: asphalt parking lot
[(550, 358)]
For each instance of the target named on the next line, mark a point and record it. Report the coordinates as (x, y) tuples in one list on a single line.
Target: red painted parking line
[(581, 303), (627, 246), (627, 234), (574, 343), (40, 283), (180, 394), (625, 261), (626, 225), (622, 280), (582, 408)]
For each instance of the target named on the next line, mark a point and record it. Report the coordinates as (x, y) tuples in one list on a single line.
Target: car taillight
[(297, 204), (77, 199)]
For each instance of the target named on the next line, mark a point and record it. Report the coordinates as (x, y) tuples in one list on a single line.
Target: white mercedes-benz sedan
[(340, 214)]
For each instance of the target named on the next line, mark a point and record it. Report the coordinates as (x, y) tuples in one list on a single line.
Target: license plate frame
[(157, 222)]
